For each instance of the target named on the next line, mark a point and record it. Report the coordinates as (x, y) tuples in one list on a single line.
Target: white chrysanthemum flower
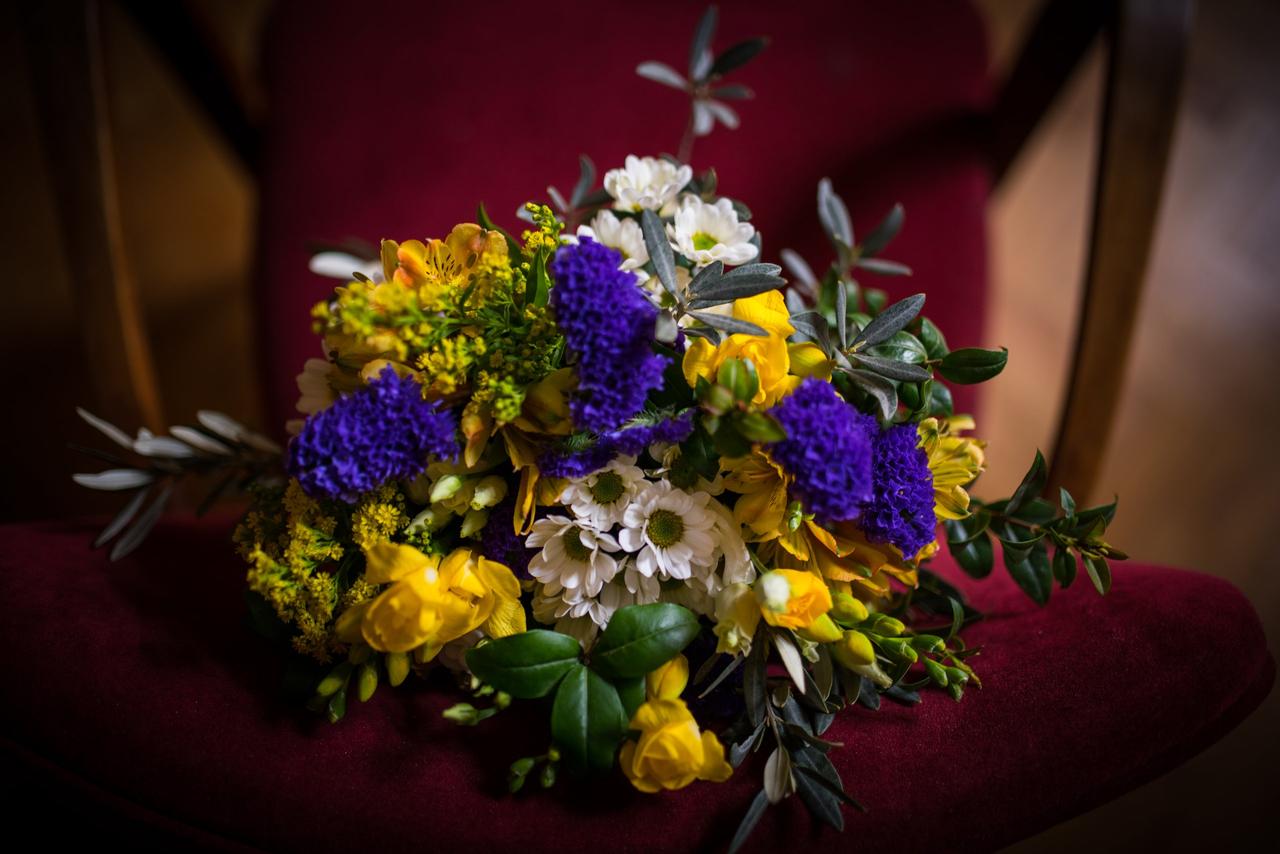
[(574, 558), (705, 232), (738, 567), (646, 183), (314, 388), (670, 531), (599, 499), (621, 234), (694, 598)]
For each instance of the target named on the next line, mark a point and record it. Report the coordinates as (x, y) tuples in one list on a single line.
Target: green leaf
[(541, 281), (1031, 487), (587, 720), (640, 638), (902, 346), (813, 326), (586, 177), (732, 325), (1099, 573), (734, 286), (834, 216), (893, 369), (964, 531), (513, 248), (1064, 567), (1068, 503), (882, 267), (760, 427), (525, 665), (842, 315), (884, 232), (879, 388), (702, 39), (749, 821), (664, 262), (883, 326), (973, 365), (977, 557), (931, 337), (821, 802), (737, 56), (632, 693), (940, 403), (706, 277), (1086, 519), (1032, 573)]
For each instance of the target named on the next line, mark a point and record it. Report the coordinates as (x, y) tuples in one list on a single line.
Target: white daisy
[(599, 499), (737, 560), (670, 531), (705, 232), (621, 234), (574, 557), (646, 183)]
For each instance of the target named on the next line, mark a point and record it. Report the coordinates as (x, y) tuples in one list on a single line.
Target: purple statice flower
[(827, 451), (562, 462), (500, 542), (608, 324), (383, 432), (630, 441), (901, 509)]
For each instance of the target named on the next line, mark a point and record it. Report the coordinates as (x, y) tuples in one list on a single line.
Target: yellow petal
[(808, 360), (347, 627), (388, 562), (699, 361), (768, 311), (714, 767)]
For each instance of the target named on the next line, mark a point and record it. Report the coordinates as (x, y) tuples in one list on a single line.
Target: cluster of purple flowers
[(608, 325), (630, 441), (383, 432), (827, 451), (901, 510), (500, 542)]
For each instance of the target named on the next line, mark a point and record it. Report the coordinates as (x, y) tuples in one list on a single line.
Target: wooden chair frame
[(1147, 40)]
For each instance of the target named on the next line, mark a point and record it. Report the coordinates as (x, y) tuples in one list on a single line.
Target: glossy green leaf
[(1099, 573), (977, 557), (640, 638), (894, 318), (525, 665), (632, 693), (587, 720), (1032, 573), (973, 365), (1031, 486), (1064, 567), (737, 56), (931, 337)]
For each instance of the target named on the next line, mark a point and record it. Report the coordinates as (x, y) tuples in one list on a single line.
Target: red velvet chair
[(140, 702)]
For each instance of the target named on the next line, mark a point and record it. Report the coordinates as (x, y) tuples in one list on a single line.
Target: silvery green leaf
[(706, 277), (833, 214), (801, 272), (135, 535), (199, 440), (778, 782), (893, 369), (812, 326), (795, 302), (664, 330), (107, 429), (744, 214), (790, 659), (524, 214), (732, 325), (557, 199), (660, 254), (260, 443), (223, 425), (745, 281), (726, 114), (699, 63), (703, 332), (884, 232), (703, 68), (842, 315), (344, 265), (114, 479), (127, 512), (164, 447), (734, 92), (890, 321), (704, 121), (883, 267), (738, 55), (879, 388), (586, 177), (661, 73)]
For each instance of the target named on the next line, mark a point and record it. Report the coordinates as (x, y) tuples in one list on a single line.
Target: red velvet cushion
[(394, 118), (138, 688)]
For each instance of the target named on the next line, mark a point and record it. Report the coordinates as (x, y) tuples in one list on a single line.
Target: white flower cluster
[(632, 540), (701, 231)]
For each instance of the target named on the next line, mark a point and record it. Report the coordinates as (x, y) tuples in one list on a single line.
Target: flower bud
[(397, 667), (886, 625), (489, 491), (366, 681), (928, 643), (473, 522), (773, 591), (936, 672), (854, 650), (669, 680), (821, 630), (445, 488), (847, 608), (899, 648)]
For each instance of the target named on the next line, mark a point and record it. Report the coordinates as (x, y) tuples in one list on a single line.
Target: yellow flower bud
[(822, 630), (488, 492), (445, 488), (808, 598), (671, 752), (737, 616), (668, 681), (848, 608), (854, 650), (473, 521)]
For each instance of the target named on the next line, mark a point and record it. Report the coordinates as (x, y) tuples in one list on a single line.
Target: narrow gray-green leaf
[(133, 537), (732, 325), (738, 55), (842, 314), (879, 388), (890, 321), (586, 177), (749, 822), (706, 277), (664, 262), (883, 267), (833, 214), (801, 272), (106, 428), (661, 73), (731, 288), (114, 479), (127, 512), (734, 92), (702, 40), (884, 232), (893, 369)]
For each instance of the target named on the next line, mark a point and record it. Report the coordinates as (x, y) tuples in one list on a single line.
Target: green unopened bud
[(928, 643), (886, 625), (337, 678), (427, 520), (854, 650), (397, 667), (501, 700), (553, 755), (548, 778), (366, 682), (936, 672), (956, 689), (337, 707), (731, 374), (461, 713), (719, 399), (445, 488), (898, 648), (847, 608), (489, 492), (523, 766), (821, 630), (795, 516), (956, 676), (474, 521)]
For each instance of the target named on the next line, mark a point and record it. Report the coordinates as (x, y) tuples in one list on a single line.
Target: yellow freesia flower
[(737, 616), (954, 461), (432, 600), (792, 599), (439, 267), (672, 751), (669, 680), (770, 353)]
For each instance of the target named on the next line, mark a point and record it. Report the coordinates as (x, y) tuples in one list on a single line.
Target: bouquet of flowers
[(620, 470)]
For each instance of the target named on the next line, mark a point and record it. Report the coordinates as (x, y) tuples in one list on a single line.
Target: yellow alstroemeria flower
[(954, 461), (843, 556), (780, 366), (672, 751), (762, 504), (432, 600), (438, 267)]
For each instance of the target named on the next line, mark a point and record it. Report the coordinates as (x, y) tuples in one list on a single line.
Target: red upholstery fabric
[(395, 118), (140, 683)]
